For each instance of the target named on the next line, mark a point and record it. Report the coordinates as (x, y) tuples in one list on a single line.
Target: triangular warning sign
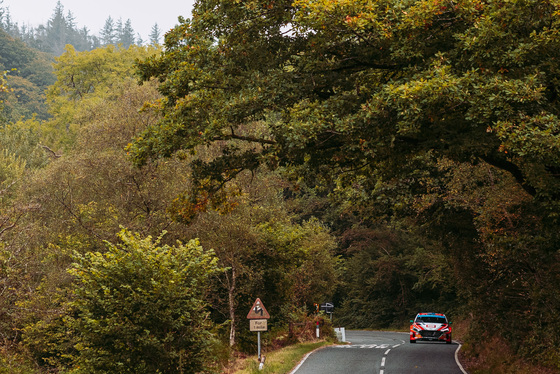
[(258, 311)]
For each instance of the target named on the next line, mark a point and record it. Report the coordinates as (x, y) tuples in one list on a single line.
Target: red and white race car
[(430, 326)]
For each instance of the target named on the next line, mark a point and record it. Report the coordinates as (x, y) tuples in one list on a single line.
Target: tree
[(139, 307), (369, 98), (4, 82), (390, 275), (266, 254), (126, 35), (13, 178), (78, 200), (421, 73), (31, 73), (139, 40), (7, 23), (52, 38), (108, 32), (58, 30), (86, 76), (15, 54), (155, 35)]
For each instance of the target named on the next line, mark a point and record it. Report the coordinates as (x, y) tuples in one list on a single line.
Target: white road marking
[(457, 358), (302, 361), (363, 346), (381, 371)]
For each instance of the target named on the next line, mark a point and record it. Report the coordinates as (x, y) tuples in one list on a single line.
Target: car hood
[(431, 326)]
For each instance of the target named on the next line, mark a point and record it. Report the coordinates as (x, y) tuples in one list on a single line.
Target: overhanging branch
[(511, 168), (252, 139)]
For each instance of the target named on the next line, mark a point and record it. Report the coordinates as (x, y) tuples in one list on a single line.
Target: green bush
[(140, 307)]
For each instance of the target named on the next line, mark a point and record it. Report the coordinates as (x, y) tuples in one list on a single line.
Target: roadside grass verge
[(281, 361)]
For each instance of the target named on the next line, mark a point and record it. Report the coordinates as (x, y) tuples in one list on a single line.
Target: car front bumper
[(428, 335)]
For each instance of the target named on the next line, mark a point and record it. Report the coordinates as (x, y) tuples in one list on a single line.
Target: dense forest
[(388, 156), (27, 54), (61, 29)]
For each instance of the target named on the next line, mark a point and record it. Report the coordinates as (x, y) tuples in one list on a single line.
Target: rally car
[(430, 326)]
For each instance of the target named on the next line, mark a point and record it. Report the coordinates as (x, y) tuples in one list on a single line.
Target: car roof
[(431, 314)]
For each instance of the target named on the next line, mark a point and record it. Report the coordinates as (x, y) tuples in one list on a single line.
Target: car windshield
[(431, 319)]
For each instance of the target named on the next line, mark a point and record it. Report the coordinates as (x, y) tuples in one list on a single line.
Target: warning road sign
[(258, 311)]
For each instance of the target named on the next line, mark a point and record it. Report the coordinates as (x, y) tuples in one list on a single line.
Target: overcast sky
[(142, 13)]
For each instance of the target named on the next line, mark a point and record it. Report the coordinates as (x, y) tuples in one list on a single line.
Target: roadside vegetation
[(389, 158), (282, 361)]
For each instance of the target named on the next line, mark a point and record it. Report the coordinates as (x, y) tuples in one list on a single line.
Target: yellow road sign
[(258, 325)]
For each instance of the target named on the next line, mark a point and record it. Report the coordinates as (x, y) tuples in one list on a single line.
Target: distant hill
[(29, 74)]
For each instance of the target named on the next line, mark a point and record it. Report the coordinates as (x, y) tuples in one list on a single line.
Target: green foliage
[(82, 73), (84, 79), (15, 54), (30, 74), (74, 202), (22, 139), (61, 30), (439, 82), (11, 170), (26, 100), (299, 266), (389, 276), (43, 313), (12, 363), (423, 133), (92, 189), (139, 307), (268, 255), (48, 340), (369, 101)]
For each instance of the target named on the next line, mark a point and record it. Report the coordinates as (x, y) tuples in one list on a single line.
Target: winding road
[(378, 352)]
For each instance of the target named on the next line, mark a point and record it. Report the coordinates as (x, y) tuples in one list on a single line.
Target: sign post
[(258, 317), (328, 308)]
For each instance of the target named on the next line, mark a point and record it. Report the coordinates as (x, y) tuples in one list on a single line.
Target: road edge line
[(457, 358), (306, 356)]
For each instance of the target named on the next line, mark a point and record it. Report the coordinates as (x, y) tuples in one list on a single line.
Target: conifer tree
[(57, 30), (2, 12), (126, 35), (139, 40), (108, 32), (155, 35), (118, 30), (8, 25)]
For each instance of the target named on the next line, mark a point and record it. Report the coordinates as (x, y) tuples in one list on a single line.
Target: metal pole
[(259, 344)]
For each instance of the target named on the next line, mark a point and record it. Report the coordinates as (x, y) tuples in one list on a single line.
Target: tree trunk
[(231, 294)]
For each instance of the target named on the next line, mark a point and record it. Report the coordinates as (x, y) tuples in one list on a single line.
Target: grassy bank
[(281, 361)]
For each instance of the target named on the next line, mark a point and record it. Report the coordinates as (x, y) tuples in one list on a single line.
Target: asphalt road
[(376, 352)]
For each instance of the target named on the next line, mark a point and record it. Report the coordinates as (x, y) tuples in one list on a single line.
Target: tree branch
[(511, 168), (245, 138), (53, 153)]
